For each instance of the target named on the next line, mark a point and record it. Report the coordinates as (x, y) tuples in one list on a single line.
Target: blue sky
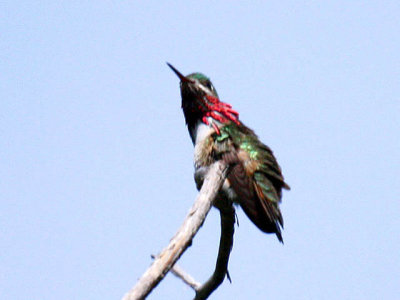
[(96, 162)]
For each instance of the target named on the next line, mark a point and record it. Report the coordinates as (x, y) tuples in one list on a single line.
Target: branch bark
[(186, 278), (227, 213), (228, 218), (183, 238)]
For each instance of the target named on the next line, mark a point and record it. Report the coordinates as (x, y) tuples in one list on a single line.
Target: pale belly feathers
[(202, 158)]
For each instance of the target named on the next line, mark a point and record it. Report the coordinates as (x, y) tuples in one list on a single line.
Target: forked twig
[(227, 213), (183, 238)]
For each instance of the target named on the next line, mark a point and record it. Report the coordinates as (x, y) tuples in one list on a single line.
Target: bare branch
[(183, 238), (227, 213), (228, 217), (186, 278)]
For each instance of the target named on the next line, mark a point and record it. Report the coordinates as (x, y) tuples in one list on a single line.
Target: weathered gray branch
[(183, 238), (186, 278), (227, 213), (228, 218)]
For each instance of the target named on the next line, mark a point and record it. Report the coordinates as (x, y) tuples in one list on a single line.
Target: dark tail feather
[(260, 218), (279, 234), (260, 210)]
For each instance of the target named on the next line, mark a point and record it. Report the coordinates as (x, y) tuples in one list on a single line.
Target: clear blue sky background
[(96, 162)]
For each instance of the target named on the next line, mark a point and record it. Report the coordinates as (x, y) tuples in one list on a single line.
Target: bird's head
[(200, 101)]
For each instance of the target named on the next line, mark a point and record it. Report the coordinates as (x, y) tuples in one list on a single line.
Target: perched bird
[(255, 180)]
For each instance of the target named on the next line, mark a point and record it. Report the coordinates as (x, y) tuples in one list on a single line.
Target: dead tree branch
[(186, 278), (227, 213), (183, 238), (228, 218)]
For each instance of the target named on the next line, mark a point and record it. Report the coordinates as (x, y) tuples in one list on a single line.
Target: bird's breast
[(203, 146)]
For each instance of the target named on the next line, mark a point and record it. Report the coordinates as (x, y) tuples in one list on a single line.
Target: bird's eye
[(209, 85)]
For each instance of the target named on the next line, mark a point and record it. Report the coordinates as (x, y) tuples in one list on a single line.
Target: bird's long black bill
[(179, 74)]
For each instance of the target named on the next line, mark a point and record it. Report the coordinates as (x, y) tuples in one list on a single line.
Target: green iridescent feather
[(245, 139), (263, 188)]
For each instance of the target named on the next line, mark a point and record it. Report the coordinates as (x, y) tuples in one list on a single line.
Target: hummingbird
[(255, 179)]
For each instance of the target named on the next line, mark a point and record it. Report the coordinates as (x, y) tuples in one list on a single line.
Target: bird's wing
[(254, 177)]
